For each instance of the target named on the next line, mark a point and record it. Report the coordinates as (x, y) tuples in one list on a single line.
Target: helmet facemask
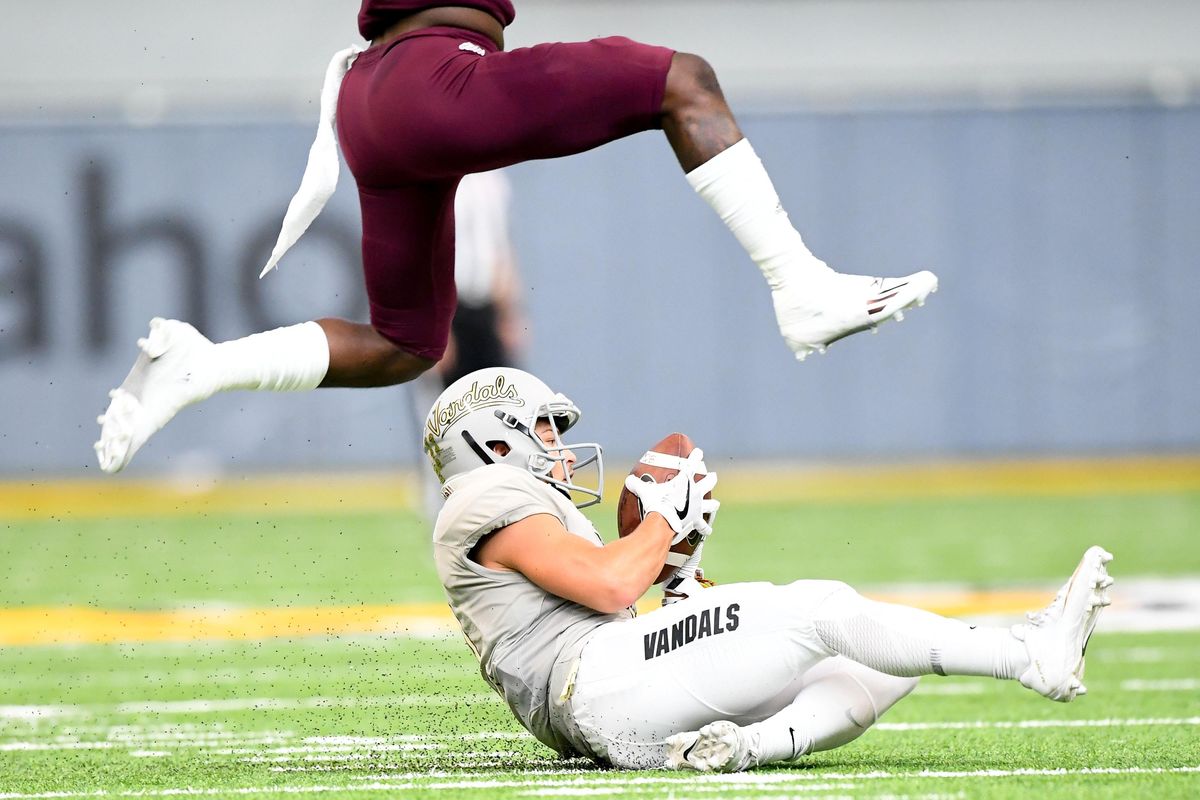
[(531, 452), (561, 414)]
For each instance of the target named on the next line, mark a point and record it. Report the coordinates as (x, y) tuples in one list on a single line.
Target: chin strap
[(321, 173)]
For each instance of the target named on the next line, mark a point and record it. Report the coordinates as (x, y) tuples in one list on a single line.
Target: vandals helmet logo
[(500, 392)]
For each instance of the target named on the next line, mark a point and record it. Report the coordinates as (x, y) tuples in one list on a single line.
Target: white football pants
[(755, 652)]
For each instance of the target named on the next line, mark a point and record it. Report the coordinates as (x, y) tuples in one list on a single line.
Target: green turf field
[(408, 716)]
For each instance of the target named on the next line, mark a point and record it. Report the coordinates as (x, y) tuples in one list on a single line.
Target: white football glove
[(681, 499)]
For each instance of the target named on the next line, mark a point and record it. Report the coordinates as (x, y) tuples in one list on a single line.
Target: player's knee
[(884, 690), (890, 692), (690, 81), (406, 366), (876, 693), (392, 364), (831, 600), (822, 600)]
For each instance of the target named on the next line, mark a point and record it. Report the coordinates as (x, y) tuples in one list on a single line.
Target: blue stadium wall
[(1067, 242)]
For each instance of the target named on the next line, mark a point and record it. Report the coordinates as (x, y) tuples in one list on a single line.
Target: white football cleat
[(717, 747), (814, 314), (175, 368), (1056, 638)]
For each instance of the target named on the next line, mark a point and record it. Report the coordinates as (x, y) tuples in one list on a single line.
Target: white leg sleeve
[(289, 359), (738, 188), (839, 701), (907, 641)]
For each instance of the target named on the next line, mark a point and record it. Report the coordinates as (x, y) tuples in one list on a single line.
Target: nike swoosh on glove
[(679, 500)]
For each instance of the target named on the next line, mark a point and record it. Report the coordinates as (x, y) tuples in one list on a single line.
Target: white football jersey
[(517, 629)]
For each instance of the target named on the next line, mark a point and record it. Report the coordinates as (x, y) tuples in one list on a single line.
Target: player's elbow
[(625, 597), (612, 604), (615, 592), (600, 581), (691, 86)]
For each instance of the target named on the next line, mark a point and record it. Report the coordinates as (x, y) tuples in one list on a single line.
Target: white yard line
[(1145, 655), (14, 747), (284, 747), (136, 733), (268, 745), (226, 676), (936, 687), (221, 705), (748, 780), (1165, 685), (33, 713), (464, 760), (295, 703), (1034, 723), (792, 791), (214, 706), (358, 757), (345, 751)]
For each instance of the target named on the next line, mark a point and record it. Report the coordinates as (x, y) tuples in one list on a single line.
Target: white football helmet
[(502, 405)]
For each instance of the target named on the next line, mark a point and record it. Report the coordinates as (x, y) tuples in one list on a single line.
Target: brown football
[(676, 445)]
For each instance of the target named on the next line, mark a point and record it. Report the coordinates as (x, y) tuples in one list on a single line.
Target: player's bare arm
[(606, 579)]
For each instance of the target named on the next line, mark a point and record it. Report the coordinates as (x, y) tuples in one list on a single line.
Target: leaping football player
[(433, 98), (724, 679)]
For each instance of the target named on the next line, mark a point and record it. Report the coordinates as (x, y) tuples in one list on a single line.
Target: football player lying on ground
[(727, 678), (436, 97)]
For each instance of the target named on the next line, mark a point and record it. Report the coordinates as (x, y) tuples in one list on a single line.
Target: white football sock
[(842, 699), (738, 188), (907, 641), (289, 359)]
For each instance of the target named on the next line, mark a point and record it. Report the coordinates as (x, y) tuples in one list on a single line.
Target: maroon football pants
[(418, 113)]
